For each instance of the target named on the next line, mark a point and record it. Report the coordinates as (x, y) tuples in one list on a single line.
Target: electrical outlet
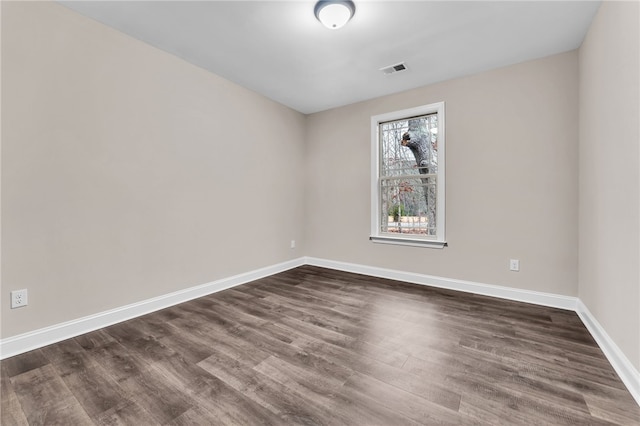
[(19, 298), (514, 265), (293, 244)]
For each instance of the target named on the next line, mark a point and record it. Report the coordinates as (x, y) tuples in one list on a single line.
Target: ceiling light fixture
[(334, 14)]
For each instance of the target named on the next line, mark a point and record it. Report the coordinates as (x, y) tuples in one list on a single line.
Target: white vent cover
[(394, 68)]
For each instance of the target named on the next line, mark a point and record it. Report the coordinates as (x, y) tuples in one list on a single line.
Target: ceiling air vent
[(394, 68)]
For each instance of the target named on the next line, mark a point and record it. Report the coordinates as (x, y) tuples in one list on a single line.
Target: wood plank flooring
[(313, 346)]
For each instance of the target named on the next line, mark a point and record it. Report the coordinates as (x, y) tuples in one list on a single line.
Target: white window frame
[(434, 241)]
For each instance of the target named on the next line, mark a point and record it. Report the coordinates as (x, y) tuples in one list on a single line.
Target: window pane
[(404, 207), (419, 153), (409, 155)]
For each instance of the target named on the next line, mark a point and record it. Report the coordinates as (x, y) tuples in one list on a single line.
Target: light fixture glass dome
[(334, 14)]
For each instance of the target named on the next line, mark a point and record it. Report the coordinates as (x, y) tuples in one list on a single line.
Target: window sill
[(409, 242)]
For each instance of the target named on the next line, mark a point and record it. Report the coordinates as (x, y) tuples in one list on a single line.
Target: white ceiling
[(279, 49)]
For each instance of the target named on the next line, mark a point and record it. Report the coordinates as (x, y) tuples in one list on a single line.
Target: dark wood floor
[(313, 346)]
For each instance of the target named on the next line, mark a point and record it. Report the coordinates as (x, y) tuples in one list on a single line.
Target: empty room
[(320, 212)]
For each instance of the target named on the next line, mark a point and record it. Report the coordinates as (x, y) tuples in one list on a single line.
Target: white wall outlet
[(514, 265), (19, 298), (293, 244)]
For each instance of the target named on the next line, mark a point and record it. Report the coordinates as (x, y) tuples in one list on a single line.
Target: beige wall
[(512, 188), (609, 275), (128, 173)]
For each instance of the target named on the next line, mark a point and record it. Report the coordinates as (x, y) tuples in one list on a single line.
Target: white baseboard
[(528, 296), (45, 336), (627, 372), (36, 339)]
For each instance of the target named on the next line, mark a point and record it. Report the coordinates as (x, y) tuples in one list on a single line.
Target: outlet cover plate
[(514, 265), (19, 298)]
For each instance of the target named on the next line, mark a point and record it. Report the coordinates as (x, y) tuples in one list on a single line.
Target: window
[(407, 185)]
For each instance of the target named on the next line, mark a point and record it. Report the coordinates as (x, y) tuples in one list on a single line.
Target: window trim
[(377, 236)]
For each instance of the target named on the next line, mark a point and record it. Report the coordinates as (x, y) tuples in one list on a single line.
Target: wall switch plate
[(293, 244), (514, 265), (19, 298)]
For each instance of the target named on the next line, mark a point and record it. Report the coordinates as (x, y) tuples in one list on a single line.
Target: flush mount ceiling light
[(333, 13)]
